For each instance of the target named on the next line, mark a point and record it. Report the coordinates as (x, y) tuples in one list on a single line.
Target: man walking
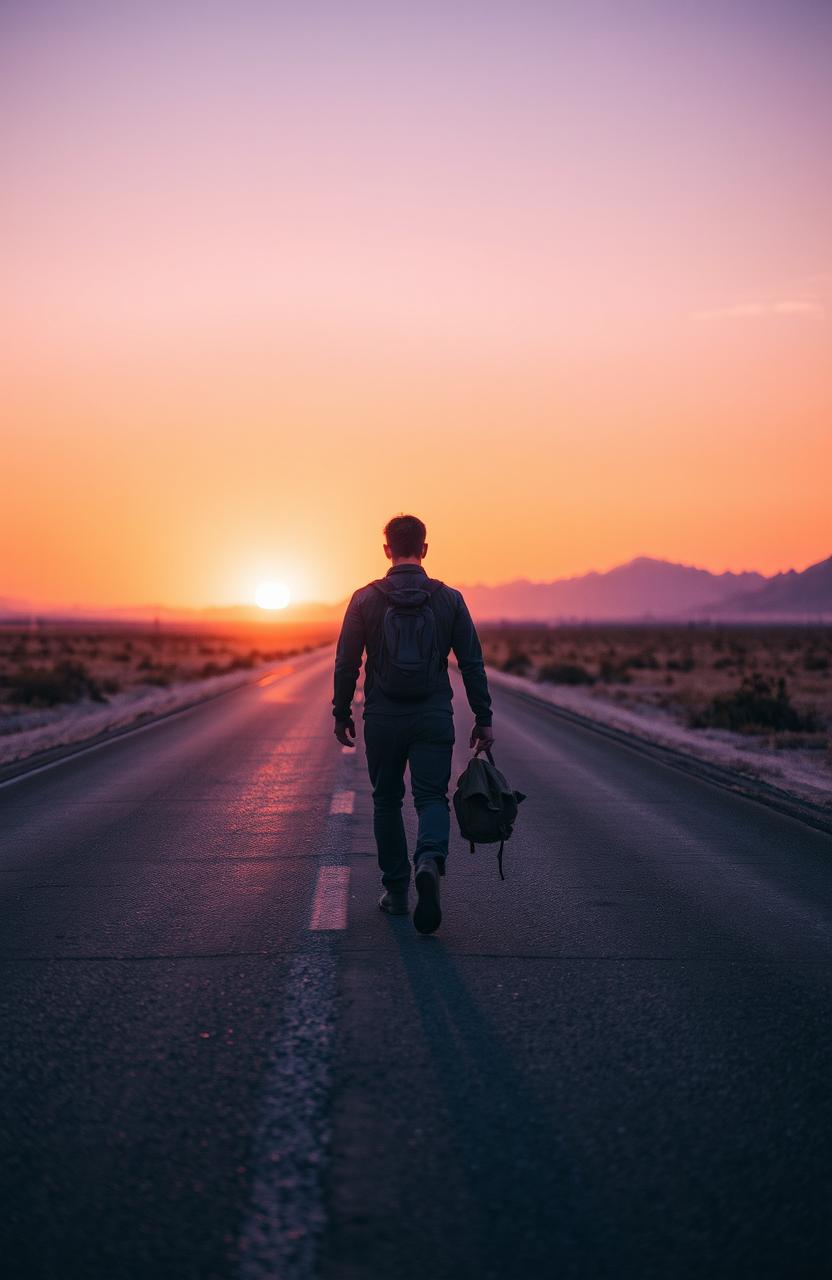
[(408, 624)]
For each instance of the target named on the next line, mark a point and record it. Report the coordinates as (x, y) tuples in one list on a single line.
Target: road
[(616, 1063)]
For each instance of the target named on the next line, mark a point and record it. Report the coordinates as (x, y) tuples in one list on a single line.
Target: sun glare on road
[(272, 595)]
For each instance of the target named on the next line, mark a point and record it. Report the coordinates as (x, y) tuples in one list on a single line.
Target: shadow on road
[(525, 1187)]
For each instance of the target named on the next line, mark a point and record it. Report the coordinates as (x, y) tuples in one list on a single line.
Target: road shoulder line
[(749, 788)]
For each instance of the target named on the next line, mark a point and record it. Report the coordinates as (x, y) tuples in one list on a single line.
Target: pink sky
[(556, 276)]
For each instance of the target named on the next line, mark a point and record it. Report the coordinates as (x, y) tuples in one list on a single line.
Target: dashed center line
[(329, 908), (342, 802)]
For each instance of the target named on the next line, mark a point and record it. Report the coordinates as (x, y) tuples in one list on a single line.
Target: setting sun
[(272, 595)]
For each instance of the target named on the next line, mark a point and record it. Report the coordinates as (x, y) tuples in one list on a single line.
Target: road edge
[(750, 788)]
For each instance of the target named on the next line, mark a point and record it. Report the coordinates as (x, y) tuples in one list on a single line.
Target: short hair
[(405, 535)]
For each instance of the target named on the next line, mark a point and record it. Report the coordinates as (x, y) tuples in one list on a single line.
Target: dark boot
[(394, 902), (428, 914)]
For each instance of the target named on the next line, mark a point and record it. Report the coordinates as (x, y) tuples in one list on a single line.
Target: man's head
[(404, 540)]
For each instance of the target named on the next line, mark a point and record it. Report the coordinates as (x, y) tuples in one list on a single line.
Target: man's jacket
[(362, 629)]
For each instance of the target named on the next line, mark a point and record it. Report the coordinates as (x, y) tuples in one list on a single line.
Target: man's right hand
[(345, 732), (482, 738)]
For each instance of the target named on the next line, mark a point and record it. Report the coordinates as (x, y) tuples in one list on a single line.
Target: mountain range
[(794, 593), (647, 588), (642, 589)]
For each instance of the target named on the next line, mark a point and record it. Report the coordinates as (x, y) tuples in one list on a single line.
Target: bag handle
[(484, 747), (472, 847)]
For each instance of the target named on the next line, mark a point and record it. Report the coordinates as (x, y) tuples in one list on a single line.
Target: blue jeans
[(424, 740)]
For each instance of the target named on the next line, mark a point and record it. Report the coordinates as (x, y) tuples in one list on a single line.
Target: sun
[(271, 595)]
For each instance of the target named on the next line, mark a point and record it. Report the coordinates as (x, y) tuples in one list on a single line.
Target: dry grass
[(51, 665), (692, 673)]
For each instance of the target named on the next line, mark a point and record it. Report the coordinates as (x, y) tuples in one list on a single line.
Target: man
[(408, 624)]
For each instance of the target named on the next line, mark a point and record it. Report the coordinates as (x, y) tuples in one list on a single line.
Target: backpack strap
[(384, 587)]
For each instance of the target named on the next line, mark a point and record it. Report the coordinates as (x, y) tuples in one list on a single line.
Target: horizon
[(559, 281), (274, 615)]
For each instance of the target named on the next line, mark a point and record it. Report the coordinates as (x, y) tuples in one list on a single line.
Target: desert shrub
[(565, 673), (66, 681), (211, 669), (612, 672), (814, 661), (685, 663), (722, 664), (646, 661), (160, 677), (516, 664), (241, 662), (756, 706)]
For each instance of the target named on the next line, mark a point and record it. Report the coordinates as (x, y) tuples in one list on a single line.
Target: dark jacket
[(362, 629)]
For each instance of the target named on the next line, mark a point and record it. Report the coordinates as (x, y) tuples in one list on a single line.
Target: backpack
[(409, 662), (485, 805)]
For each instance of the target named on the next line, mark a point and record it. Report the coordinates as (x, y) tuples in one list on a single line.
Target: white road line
[(283, 1230), (74, 750), (342, 802), (275, 675), (329, 909)]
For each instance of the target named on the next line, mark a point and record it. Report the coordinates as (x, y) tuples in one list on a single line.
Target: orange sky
[(563, 288)]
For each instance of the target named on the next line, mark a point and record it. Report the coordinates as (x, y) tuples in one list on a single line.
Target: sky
[(556, 277)]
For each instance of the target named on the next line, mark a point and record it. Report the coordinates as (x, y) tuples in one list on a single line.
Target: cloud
[(779, 307)]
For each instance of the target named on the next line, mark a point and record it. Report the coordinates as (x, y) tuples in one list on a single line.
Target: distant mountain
[(14, 608), (641, 588), (794, 595)]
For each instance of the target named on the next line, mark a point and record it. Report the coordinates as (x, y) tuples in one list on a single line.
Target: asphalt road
[(616, 1063)]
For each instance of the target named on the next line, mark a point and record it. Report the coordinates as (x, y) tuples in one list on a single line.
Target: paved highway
[(219, 1059)]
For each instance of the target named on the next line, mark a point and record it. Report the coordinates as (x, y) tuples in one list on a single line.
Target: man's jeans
[(424, 740)]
